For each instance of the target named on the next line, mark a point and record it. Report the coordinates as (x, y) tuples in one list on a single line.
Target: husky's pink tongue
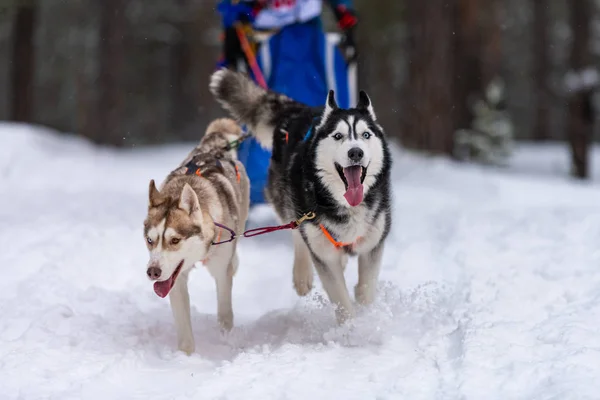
[(354, 193), (163, 288)]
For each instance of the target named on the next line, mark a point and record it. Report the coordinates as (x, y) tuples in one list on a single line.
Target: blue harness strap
[(310, 130), (307, 136)]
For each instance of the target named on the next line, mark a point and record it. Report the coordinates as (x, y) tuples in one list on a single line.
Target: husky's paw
[(187, 346), (303, 279), (343, 314), (225, 321), (303, 286), (364, 294)]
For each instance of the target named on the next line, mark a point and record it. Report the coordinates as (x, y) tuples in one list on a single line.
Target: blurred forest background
[(135, 72)]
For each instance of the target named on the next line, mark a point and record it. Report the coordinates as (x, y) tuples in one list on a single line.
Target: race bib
[(277, 4), (279, 13)]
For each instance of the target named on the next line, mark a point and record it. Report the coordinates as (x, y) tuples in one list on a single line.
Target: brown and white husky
[(210, 186)]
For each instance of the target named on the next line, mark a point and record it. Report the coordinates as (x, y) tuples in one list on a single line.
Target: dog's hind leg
[(369, 265), (303, 272), (180, 305), (332, 278)]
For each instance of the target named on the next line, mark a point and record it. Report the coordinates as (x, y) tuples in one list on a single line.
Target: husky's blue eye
[(367, 135), (338, 136), (149, 240)]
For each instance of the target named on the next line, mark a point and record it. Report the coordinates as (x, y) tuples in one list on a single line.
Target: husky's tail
[(226, 127), (248, 103)]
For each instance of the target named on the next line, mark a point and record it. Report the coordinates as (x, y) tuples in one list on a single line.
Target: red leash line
[(268, 229), (262, 230)]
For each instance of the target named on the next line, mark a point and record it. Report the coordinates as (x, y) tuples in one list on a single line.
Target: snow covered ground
[(490, 288)]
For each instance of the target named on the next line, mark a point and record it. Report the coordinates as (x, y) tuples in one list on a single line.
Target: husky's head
[(178, 233), (349, 150)]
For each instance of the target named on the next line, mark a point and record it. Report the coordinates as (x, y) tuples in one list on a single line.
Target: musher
[(281, 45)]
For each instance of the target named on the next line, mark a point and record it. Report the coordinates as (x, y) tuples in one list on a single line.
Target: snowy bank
[(490, 288)]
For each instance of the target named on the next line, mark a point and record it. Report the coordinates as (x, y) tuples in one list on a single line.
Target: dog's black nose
[(355, 154), (153, 273)]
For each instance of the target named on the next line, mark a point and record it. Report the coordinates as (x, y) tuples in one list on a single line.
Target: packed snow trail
[(490, 289)]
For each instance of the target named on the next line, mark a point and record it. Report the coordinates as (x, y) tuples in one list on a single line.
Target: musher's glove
[(347, 21)]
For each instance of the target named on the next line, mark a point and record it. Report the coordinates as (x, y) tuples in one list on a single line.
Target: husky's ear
[(364, 103), (188, 201), (155, 199), (331, 100), (330, 105)]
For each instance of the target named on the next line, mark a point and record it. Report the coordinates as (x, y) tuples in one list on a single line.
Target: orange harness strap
[(192, 169), (335, 242), (287, 135), (237, 174), (219, 235)]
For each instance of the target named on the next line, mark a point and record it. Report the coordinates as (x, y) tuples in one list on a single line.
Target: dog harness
[(193, 169), (335, 243)]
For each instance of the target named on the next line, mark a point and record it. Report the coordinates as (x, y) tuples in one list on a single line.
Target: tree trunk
[(541, 69), (182, 111), (491, 44), (111, 55), (478, 55), (468, 48), (183, 103), (429, 124), (23, 62), (580, 118)]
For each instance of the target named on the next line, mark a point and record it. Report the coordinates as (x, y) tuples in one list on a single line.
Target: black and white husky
[(331, 161)]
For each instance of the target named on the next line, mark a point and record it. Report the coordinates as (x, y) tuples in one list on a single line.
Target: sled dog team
[(330, 163)]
